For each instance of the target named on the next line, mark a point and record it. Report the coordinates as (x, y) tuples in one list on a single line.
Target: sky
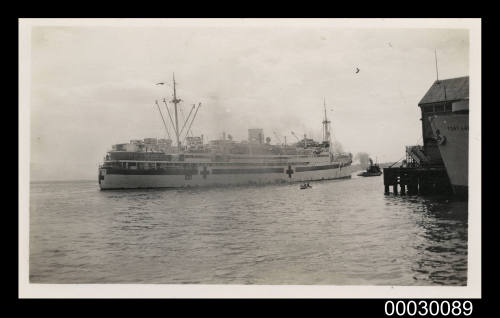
[(94, 86)]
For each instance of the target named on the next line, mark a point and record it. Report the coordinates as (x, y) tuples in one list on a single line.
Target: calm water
[(343, 232)]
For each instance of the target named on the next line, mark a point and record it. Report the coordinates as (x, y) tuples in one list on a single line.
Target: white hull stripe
[(206, 177)]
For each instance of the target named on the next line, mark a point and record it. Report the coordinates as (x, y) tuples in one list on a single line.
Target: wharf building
[(440, 165)]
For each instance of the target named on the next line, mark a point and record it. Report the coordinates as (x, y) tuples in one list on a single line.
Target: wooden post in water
[(412, 185), (403, 180), (413, 181), (423, 187), (391, 176)]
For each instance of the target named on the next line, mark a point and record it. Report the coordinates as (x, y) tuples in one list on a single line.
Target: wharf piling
[(413, 181)]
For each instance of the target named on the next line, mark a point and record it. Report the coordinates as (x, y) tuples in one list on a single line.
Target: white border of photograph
[(473, 288)]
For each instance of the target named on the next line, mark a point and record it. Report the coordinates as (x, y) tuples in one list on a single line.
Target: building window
[(439, 108), (448, 107), (428, 109)]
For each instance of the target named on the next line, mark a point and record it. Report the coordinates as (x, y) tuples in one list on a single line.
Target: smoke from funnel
[(337, 147), (363, 158)]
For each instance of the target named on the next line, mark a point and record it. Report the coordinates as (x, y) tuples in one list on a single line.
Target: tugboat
[(372, 171)]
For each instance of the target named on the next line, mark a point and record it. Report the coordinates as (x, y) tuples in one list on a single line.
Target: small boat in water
[(372, 171), (305, 186)]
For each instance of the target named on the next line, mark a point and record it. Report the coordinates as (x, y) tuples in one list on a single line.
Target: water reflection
[(440, 243)]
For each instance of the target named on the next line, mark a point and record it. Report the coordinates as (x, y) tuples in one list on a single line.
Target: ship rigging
[(178, 132)]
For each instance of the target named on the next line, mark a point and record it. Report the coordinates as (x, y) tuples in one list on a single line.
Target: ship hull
[(203, 176), (452, 134)]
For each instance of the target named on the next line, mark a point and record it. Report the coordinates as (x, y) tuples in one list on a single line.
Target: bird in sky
[(357, 70), (160, 83), (390, 44)]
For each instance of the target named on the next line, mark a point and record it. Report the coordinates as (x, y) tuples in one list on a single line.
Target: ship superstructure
[(153, 163)]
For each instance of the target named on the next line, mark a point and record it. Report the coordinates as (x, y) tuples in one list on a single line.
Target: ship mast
[(437, 75), (326, 126), (175, 101)]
